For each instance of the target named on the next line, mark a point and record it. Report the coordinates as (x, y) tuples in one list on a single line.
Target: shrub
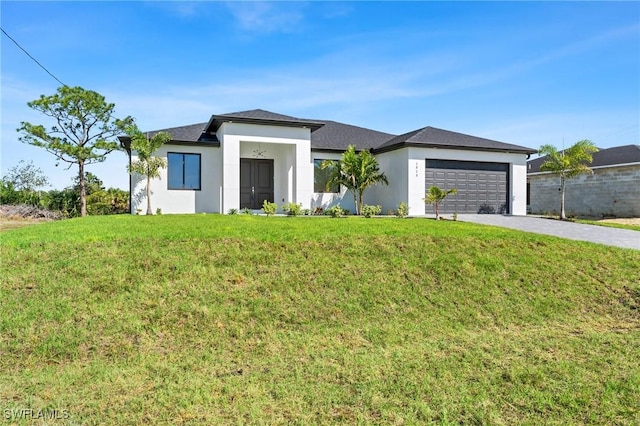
[(368, 211), (269, 208), (402, 210), (246, 210), (335, 211), (232, 211), (436, 196), (292, 209)]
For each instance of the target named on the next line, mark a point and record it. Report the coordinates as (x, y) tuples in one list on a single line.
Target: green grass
[(210, 319)]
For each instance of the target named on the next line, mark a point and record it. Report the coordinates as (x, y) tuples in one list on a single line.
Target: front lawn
[(210, 319)]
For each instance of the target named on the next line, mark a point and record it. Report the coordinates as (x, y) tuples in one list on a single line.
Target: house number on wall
[(416, 169)]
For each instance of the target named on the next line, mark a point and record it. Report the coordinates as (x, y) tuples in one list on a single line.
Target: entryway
[(256, 182)]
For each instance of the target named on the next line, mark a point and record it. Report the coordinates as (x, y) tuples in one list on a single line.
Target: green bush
[(10, 195), (402, 210), (292, 209), (368, 211), (269, 208), (107, 201), (66, 201), (232, 211), (335, 211)]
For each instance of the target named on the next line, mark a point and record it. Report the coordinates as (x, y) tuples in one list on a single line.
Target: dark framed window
[(321, 178), (183, 171)]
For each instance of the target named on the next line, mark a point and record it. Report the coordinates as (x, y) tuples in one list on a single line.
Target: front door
[(256, 183)]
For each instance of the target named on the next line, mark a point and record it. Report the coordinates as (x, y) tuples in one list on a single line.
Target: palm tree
[(356, 172), (568, 163), (436, 196), (147, 165)]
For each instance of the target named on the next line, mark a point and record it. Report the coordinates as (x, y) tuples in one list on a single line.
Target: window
[(183, 170), (321, 177)]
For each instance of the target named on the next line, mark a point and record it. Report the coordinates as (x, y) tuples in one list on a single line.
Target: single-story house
[(238, 160), (613, 189)]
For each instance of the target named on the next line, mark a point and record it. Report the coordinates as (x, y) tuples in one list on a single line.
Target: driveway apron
[(624, 238)]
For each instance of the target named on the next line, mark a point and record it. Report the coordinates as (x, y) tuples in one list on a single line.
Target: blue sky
[(528, 73)]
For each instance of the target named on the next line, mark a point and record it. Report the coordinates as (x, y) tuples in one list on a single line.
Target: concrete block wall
[(610, 191)]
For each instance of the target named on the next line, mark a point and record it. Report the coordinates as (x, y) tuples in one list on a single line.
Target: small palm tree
[(147, 165), (568, 163), (356, 172), (436, 196)]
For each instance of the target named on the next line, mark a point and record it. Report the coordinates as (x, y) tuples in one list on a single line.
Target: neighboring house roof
[(615, 156), (335, 136), (432, 137)]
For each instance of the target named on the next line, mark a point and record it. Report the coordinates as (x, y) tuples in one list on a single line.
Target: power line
[(34, 59)]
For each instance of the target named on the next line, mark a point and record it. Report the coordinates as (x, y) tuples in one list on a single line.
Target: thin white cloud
[(184, 9), (267, 17)]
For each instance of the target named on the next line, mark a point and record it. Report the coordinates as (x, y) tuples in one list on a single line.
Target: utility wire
[(34, 59)]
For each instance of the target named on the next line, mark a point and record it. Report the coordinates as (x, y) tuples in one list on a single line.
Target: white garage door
[(482, 187)]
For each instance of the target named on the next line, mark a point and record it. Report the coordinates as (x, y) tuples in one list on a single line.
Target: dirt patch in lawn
[(623, 221), (7, 223)]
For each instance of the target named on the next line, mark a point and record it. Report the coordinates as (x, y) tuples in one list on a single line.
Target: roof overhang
[(455, 147), (217, 120), (210, 144)]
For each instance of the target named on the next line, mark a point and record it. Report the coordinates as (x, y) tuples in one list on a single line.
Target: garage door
[(482, 187)]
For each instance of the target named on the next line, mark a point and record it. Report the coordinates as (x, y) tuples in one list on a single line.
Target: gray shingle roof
[(618, 155), (190, 133), (433, 137), (260, 116), (338, 136)]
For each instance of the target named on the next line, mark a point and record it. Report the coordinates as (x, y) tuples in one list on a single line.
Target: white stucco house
[(238, 160)]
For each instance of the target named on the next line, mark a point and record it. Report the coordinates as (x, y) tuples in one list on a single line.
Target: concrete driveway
[(616, 237)]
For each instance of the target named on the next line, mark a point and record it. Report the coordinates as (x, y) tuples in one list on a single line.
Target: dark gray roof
[(260, 116), (338, 136), (433, 137), (190, 133), (618, 155), (335, 136)]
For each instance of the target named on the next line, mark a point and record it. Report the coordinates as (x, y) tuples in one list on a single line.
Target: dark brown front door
[(256, 182)]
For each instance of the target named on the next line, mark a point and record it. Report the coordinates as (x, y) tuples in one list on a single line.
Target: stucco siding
[(394, 165), (289, 148), (324, 200), (609, 191), (205, 200)]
